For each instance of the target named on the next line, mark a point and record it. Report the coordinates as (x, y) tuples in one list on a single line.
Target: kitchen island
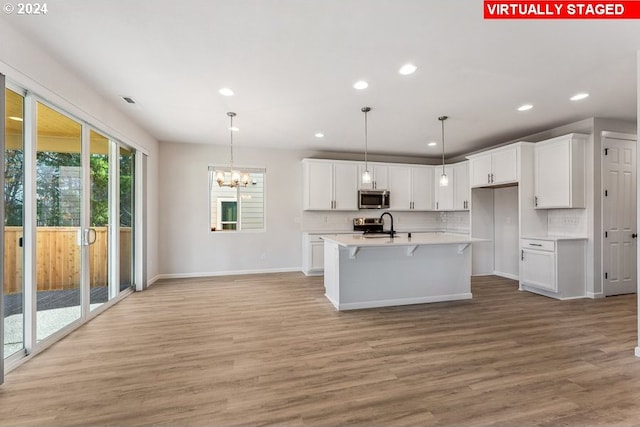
[(380, 271)]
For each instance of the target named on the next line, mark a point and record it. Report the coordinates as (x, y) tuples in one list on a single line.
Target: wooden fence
[(58, 258)]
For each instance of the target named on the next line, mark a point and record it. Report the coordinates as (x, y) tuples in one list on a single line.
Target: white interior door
[(619, 216)]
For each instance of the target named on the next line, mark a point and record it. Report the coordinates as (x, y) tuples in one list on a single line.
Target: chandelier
[(237, 178)]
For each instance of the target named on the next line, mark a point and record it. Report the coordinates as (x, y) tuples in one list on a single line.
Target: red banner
[(561, 9)]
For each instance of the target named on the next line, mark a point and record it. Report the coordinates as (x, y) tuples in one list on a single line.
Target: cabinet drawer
[(541, 245)]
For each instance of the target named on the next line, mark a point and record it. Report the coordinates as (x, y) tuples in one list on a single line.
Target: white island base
[(378, 272)]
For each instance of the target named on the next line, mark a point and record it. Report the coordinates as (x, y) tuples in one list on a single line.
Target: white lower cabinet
[(553, 267), (312, 254)]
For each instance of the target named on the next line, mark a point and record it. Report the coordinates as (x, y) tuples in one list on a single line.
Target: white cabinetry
[(559, 169), (455, 196), (411, 188), (379, 176), (554, 268), (330, 185), (461, 195), (494, 167), (312, 254), (444, 194)]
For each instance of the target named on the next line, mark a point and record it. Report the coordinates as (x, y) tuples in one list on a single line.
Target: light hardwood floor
[(269, 349)]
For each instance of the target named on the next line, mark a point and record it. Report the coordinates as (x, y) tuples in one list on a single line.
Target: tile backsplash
[(567, 222), (404, 221)]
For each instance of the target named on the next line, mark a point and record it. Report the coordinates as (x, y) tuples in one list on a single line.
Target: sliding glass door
[(69, 222), (97, 234), (126, 208), (13, 223), (59, 195)]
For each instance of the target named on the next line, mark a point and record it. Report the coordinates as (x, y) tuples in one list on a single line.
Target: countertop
[(401, 239), (554, 238)]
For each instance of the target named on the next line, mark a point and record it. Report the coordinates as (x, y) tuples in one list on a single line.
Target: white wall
[(505, 233), (188, 248), (33, 68)]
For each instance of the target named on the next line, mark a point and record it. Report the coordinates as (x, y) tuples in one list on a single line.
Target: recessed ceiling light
[(432, 144), (319, 135), (407, 69), (360, 84), (225, 91), (14, 118), (525, 107), (579, 96), (234, 129)]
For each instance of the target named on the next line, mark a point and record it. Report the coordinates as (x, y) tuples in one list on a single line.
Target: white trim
[(637, 351), (226, 273), (505, 275), (401, 301), (595, 295), (153, 280), (618, 135)]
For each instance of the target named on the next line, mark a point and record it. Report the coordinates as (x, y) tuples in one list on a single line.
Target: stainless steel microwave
[(373, 199)]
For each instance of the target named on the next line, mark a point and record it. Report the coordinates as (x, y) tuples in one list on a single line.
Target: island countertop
[(400, 239)]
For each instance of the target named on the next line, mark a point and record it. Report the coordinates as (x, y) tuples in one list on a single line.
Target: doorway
[(619, 221), (68, 226)]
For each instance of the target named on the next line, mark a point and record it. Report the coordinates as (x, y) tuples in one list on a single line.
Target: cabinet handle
[(437, 205), (521, 254), (634, 235), (535, 201), (492, 178), (488, 178), (535, 244)]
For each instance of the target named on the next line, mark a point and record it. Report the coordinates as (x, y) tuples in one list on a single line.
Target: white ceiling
[(292, 64)]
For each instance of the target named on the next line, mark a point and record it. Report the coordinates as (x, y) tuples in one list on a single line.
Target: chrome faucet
[(391, 231)]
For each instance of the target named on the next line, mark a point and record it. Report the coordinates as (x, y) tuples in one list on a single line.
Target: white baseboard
[(402, 301), (594, 295), (637, 351), (226, 273), (506, 275), (153, 280)]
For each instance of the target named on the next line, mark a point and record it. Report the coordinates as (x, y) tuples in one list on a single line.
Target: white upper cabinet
[(330, 185), (559, 172), (494, 167), (455, 196), (422, 188), (379, 177), (461, 192), (444, 194), (410, 188)]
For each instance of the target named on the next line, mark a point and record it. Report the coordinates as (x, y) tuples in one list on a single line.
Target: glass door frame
[(31, 346)]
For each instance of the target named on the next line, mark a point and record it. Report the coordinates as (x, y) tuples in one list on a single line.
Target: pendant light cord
[(365, 110), (442, 119), (231, 138), (366, 142)]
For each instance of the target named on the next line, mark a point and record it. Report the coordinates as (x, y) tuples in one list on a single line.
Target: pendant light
[(444, 179), (366, 175), (237, 178)]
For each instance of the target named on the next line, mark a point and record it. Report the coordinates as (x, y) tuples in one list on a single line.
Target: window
[(240, 208)]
